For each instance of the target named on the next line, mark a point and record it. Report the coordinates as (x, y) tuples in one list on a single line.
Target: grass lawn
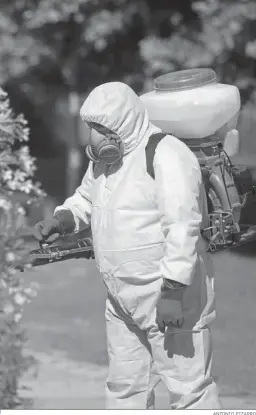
[(65, 327)]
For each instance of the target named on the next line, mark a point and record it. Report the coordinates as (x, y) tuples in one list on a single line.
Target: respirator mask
[(106, 148)]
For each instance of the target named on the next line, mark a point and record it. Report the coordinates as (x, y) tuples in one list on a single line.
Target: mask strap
[(114, 138)]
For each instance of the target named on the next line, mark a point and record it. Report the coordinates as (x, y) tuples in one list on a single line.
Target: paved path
[(61, 383)]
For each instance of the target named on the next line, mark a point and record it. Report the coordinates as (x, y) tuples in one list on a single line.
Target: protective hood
[(116, 106)]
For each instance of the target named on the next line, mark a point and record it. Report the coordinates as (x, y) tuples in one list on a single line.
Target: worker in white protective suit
[(149, 251)]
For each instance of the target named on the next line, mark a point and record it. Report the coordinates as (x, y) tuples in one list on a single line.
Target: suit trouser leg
[(131, 378), (184, 364)]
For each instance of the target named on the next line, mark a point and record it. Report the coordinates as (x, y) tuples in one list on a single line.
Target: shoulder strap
[(150, 151)]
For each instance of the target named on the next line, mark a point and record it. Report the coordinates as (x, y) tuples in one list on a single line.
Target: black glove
[(169, 307), (51, 229)]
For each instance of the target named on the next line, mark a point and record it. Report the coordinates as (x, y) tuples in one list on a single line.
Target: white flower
[(19, 176), (20, 299), (12, 185), (10, 257), (4, 204), (17, 317), (7, 175), (26, 186), (21, 210), (27, 161), (30, 292), (8, 308)]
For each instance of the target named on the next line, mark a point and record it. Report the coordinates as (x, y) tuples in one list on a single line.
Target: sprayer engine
[(226, 190)]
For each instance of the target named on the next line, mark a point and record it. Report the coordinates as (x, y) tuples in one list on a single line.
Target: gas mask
[(106, 148)]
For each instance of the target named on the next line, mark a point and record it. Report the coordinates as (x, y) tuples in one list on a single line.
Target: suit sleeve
[(80, 203), (178, 183)]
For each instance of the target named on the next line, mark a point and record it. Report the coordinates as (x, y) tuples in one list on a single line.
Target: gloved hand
[(169, 308), (51, 229)]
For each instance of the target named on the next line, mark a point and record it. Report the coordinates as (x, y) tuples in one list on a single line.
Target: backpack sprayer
[(192, 106)]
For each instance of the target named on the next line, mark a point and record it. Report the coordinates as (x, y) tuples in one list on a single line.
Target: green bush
[(17, 168)]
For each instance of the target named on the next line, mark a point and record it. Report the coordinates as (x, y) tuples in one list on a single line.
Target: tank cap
[(186, 79)]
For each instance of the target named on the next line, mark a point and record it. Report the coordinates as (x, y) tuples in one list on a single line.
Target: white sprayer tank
[(191, 103)]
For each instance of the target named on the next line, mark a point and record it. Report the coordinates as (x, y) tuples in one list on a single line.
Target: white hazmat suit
[(145, 230)]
